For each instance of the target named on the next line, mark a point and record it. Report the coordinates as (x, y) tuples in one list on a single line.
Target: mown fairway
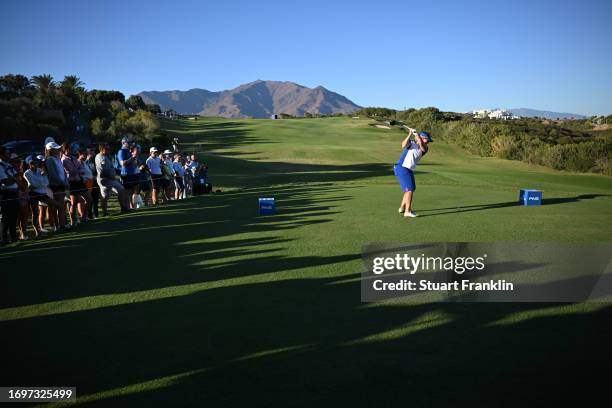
[(205, 303)]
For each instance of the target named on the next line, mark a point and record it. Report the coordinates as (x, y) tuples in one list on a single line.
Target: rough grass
[(202, 302)]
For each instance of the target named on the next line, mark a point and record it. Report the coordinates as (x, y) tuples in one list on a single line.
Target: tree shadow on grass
[(481, 207), (158, 249), (213, 136), (300, 342)]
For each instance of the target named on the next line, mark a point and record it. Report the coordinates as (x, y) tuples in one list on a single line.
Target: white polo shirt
[(413, 156)]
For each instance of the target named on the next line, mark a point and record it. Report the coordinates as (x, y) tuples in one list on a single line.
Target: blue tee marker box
[(267, 206), (530, 197)]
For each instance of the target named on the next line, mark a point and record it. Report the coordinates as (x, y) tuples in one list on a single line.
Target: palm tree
[(43, 83), (73, 83), (45, 89), (73, 88)]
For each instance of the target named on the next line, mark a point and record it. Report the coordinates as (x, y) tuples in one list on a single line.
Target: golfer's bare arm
[(422, 146), (405, 142)]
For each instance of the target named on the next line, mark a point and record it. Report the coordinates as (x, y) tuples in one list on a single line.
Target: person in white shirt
[(154, 166), (412, 152), (38, 183)]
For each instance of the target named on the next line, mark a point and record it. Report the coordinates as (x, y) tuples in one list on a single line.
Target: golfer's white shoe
[(401, 210), (410, 214)]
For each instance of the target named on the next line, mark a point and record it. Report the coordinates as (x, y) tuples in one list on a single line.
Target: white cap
[(167, 151), (49, 140), (28, 159), (52, 145), (40, 157), (153, 149)]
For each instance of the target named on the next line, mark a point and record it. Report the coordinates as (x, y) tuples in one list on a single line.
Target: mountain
[(258, 99), (530, 113)]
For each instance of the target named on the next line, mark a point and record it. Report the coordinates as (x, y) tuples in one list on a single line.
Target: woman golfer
[(413, 151)]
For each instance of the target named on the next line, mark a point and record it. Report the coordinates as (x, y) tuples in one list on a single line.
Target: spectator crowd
[(69, 185)]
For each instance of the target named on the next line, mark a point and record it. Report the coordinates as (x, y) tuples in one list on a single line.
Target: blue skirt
[(405, 178)]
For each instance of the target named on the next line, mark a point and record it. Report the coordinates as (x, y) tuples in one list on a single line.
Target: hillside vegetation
[(575, 145)]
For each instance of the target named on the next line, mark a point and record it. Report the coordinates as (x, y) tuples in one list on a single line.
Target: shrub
[(375, 112), (427, 119), (505, 147), (581, 157)]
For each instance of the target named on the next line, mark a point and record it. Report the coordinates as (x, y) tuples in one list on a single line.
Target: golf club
[(413, 132)]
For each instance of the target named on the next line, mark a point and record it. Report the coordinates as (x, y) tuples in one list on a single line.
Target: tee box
[(530, 197), (267, 206)]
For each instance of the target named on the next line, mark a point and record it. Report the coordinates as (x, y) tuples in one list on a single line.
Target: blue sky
[(456, 55)]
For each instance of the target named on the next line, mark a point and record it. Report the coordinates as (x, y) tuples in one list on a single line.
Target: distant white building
[(480, 113), (169, 113), (500, 114)]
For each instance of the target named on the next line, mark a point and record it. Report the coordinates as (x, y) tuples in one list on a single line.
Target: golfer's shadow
[(479, 207)]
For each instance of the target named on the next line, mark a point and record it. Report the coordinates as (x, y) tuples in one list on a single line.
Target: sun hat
[(426, 135), (52, 145), (153, 149)]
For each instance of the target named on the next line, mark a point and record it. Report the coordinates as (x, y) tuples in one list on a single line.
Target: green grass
[(205, 303)]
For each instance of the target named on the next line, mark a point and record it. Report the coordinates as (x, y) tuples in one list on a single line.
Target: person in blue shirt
[(413, 151), (179, 176), (128, 161), (193, 165)]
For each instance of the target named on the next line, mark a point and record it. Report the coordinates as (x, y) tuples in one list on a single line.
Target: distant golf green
[(204, 303)]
